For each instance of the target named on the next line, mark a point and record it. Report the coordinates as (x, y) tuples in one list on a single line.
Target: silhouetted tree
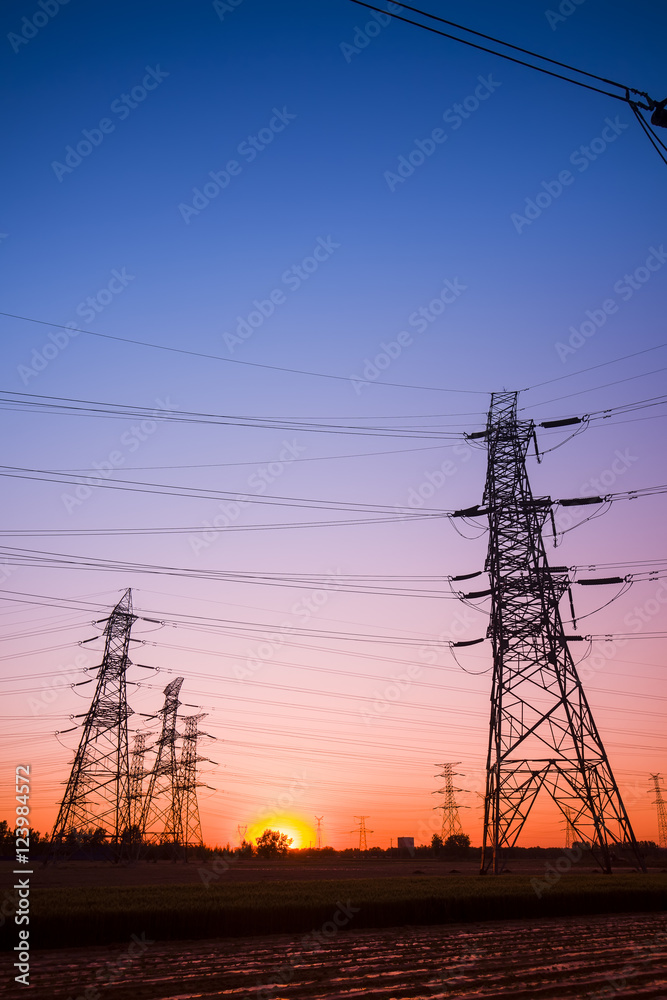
[(272, 843), (458, 840)]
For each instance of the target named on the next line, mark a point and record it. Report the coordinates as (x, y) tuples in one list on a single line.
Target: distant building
[(406, 845)]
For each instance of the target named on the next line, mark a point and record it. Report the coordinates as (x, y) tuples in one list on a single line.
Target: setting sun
[(301, 832)]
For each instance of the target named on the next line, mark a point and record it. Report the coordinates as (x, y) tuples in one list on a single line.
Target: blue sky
[(317, 218)]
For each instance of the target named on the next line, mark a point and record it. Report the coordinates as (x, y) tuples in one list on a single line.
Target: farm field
[(578, 958), (89, 873), (93, 915)]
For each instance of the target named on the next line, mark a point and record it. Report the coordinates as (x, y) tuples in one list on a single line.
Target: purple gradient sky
[(322, 178)]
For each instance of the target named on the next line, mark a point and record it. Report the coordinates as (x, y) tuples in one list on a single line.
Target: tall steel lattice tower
[(137, 775), (187, 784), (319, 832), (542, 733), (97, 795), (161, 818), (569, 832), (659, 802), (451, 821), (363, 846)]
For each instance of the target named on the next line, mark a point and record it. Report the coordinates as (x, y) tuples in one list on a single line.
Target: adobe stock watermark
[(31, 26), (121, 107), (437, 478), (274, 810), (565, 9), (224, 7), (624, 288), (249, 149), (597, 486), (303, 610), (88, 309), (364, 36), (317, 940), (617, 983), (292, 279), (603, 651), (6, 570), (454, 116), (130, 441), (419, 320), (392, 693), (581, 158), (554, 873), (257, 483), (65, 679), (219, 864), (111, 971)]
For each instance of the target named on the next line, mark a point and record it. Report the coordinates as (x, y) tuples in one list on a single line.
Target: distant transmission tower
[(542, 732), (659, 802), (137, 775), (242, 830), (363, 846), (451, 822), (97, 795), (569, 829), (187, 785), (161, 818), (319, 832)]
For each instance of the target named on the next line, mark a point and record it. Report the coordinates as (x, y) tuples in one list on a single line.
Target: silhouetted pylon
[(451, 821), (97, 796), (161, 818), (187, 784), (542, 733), (363, 846), (659, 803), (319, 832), (137, 774)]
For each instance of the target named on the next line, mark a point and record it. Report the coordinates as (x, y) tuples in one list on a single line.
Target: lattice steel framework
[(137, 775), (542, 733), (97, 795), (451, 821), (363, 845), (161, 818), (659, 803), (569, 832), (187, 783), (319, 832)]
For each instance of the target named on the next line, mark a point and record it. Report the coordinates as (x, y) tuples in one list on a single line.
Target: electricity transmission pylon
[(569, 830), (242, 830), (190, 822), (659, 802), (161, 817), (363, 846), (542, 733), (137, 775), (97, 795), (319, 832), (451, 821)]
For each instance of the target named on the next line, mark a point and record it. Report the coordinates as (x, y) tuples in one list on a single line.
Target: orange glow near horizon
[(301, 832)]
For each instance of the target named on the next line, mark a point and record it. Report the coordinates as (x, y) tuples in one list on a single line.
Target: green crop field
[(87, 915)]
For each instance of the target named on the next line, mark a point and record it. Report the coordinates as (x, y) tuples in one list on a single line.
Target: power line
[(625, 357), (236, 361), (649, 106), (504, 55)]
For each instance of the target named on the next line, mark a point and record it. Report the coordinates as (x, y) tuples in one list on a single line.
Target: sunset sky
[(259, 191)]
